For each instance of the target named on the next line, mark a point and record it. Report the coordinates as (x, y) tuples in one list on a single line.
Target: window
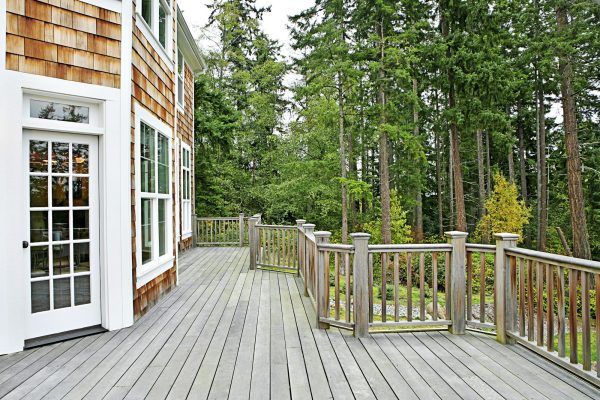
[(155, 193), (186, 190), (180, 78), (59, 111), (157, 15)]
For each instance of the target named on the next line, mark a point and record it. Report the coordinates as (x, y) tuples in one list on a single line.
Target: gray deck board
[(227, 332)]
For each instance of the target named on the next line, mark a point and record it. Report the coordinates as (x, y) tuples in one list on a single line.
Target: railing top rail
[(555, 259), (336, 247), (482, 248), (409, 248), (276, 226), (218, 218)]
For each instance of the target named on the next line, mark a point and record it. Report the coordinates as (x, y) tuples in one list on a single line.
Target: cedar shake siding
[(153, 87), (65, 39), (185, 132)]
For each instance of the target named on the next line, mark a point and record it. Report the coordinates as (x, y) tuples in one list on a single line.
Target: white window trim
[(151, 33), (112, 5), (180, 105), (186, 233), (147, 272)]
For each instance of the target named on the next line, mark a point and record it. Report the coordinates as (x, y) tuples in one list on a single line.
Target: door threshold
[(63, 336)]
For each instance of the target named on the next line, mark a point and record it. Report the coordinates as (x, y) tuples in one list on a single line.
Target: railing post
[(458, 286), (194, 230), (308, 231), (241, 229), (505, 299), (322, 289), (252, 241), (299, 245), (360, 270)]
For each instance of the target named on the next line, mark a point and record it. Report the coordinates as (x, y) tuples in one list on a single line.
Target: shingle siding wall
[(65, 39)]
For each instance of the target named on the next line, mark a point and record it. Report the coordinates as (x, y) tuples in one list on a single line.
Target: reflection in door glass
[(38, 226), (81, 257), (62, 293), (39, 262), (40, 296), (60, 225), (80, 158), (81, 192), (82, 290), (60, 158), (38, 156), (60, 191), (38, 191), (61, 259), (59, 111)]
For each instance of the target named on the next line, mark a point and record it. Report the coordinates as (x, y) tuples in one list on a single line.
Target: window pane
[(38, 226), (81, 224), (60, 158), (180, 90), (146, 230), (162, 26), (60, 225), (82, 290), (40, 296), (38, 156), (39, 262), (80, 158), (60, 191), (59, 112), (162, 227), (81, 192), (163, 164), (38, 191), (61, 259), (179, 62), (147, 11), (81, 257), (147, 152), (62, 293)]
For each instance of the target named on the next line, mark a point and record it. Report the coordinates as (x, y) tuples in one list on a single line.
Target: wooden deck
[(227, 332)]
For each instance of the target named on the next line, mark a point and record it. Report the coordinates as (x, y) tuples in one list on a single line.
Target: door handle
[(25, 244)]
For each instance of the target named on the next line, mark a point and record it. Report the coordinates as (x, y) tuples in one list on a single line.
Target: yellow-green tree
[(505, 212)]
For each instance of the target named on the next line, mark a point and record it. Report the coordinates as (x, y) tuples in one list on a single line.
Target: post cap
[(506, 236), (323, 234), (309, 226), (300, 221), (360, 235), (456, 234)]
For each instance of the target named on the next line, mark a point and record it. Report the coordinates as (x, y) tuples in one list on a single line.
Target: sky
[(274, 24)]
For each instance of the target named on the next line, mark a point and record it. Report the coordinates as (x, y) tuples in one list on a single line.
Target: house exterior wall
[(69, 40)]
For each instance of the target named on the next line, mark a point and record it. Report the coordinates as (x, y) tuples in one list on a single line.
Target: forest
[(406, 119)]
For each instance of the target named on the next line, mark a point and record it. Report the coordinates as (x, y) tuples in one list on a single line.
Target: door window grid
[(60, 251)]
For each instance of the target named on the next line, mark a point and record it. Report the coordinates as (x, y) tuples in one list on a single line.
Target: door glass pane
[(62, 293), (163, 164), (40, 296), (60, 158), (61, 259), (82, 290), (148, 154), (81, 158), (38, 156), (81, 257), (146, 230), (81, 192), (60, 225), (81, 224), (60, 191), (38, 226), (39, 262), (162, 227), (38, 191)]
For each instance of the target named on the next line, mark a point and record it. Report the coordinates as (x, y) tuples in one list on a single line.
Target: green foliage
[(505, 212), (401, 230)]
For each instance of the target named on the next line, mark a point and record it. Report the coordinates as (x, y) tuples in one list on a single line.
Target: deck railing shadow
[(543, 301)]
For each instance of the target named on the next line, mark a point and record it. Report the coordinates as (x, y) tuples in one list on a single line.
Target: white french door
[(62, 247)]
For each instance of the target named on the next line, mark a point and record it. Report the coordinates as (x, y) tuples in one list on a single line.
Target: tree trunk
[(451, 182), (523, 168), (581, 244), (481, 177), (488, 167), (342, 140), (384, 154), (438, 177), (418, 222), (542, 200), (511, 164)]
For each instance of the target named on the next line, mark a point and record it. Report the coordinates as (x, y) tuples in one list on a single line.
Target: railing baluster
[(409, 315), (521, 297), (370, 291), (530, 300), (434, 267), (396, 287), (469, 286), (550, 307), (422, 287), (560, 295), (585, 321), (337, 285), (482, 287), (348, 286), (597, 279), (573, 316), (540, 304), (383, 291)]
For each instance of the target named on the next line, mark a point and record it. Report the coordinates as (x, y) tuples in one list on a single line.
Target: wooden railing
[(273, 247), (548, 305), (220, 231)]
